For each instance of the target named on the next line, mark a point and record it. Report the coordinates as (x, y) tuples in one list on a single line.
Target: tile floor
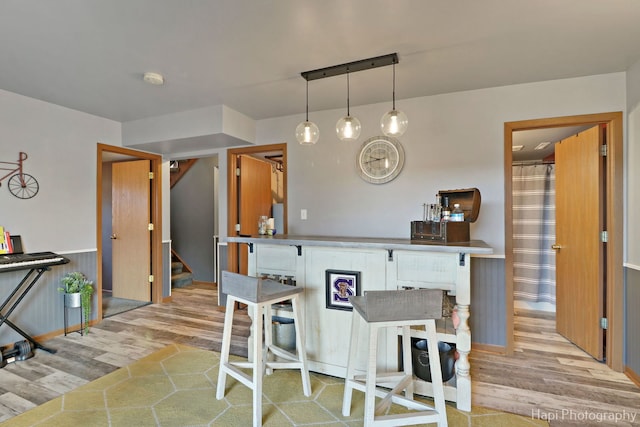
[(175, 386)]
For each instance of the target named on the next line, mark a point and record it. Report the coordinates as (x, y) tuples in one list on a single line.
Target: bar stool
[(383, 309), (259, 294)]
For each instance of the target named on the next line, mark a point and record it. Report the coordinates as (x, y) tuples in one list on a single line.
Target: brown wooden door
[(131, 242), (579, 222), (254, 199)]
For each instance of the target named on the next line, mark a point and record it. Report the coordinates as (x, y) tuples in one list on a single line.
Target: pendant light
[(394, 122), (307, 133), (348, 128)]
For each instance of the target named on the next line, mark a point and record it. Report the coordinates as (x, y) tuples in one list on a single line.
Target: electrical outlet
[(303, 214)]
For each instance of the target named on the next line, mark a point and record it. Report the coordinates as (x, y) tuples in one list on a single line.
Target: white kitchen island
[(382, 264)]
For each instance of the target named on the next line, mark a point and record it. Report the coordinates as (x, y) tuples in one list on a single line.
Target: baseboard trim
[(632, 375), (200, 282), (75, 328), (489, 348)]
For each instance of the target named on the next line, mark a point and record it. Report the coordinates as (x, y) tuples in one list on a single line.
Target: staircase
[(180, 278), (181, 275), (178, 168)]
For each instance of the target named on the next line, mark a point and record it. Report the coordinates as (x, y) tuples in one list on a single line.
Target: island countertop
[(471, 247), (375, 264)]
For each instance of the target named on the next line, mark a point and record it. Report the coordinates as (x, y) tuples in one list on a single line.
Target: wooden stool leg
[(258, 364), (265, 311), (407, 362), (226, 346), (370, 393), (301, 346), (436, 374), (351, 360)]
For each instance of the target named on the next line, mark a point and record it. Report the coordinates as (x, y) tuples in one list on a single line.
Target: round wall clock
[(380, 159)]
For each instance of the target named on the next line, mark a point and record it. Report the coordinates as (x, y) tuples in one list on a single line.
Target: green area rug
[(176, 386)]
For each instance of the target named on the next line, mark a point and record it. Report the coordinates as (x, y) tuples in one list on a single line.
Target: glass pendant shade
[(348, 128), (394, 123), (307, 133)]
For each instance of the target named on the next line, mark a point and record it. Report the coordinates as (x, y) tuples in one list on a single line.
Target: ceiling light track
[(351, 67)]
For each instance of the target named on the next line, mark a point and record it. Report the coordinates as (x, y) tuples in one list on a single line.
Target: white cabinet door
[(431, 270), (328, 330), (278, 260)]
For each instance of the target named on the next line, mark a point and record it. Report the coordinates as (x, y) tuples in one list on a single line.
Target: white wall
[(61, 145), (632, 164), (453, 141)]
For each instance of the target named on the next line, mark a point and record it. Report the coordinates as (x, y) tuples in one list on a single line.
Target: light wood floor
[(547, 375), (550, 377)]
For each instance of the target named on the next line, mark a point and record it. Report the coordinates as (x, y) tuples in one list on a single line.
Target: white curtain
[(534, 262)]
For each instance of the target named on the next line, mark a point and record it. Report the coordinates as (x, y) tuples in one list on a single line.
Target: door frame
[(232, 194), (104, 151), (614, 225)]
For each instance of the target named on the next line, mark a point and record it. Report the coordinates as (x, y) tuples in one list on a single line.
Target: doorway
[(107, 154), (194, 220), (234, 197), (613, 224)]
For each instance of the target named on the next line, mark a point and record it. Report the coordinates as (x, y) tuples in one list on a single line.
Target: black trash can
[(420, 358)]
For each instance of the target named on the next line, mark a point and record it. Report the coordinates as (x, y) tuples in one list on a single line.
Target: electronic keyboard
[(12, 262)]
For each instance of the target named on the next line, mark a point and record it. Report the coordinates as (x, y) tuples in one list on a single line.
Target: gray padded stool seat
[(398, 309), (259, 294)]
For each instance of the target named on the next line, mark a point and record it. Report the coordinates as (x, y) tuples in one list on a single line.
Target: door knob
[(556, 247), (113, 236)]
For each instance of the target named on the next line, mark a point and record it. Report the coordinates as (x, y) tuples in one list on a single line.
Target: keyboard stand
[(24, 290)]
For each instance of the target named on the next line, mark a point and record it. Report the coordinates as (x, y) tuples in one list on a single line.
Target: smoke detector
[(153, 78)]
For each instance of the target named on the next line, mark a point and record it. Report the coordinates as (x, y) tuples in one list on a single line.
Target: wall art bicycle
[(22, 185)]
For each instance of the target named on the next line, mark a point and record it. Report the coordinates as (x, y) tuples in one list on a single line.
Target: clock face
[(380, 159)]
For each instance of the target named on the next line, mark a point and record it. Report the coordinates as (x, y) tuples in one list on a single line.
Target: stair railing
[(185, 266)]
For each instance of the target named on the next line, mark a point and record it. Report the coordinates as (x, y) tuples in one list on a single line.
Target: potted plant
[(77, 290)]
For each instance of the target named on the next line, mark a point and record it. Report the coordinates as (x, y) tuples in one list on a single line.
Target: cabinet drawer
[(426, 270), (276, 258)]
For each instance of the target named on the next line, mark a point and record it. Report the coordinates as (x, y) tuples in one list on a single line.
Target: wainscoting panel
[(632, 320), (166, 269), (222, 262), (42, 309), (222, 265), (488, 301)]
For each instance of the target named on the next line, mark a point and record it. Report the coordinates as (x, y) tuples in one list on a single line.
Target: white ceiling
[(530, 139), (90, 55)]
